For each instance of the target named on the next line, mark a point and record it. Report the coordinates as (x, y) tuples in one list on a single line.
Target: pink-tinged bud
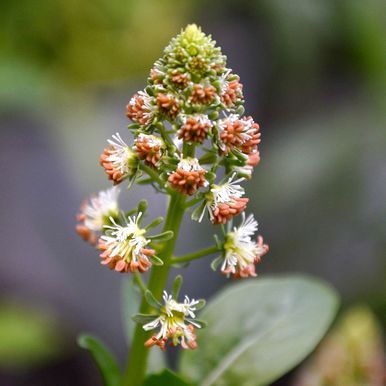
[(141, 108), (195, 128), (149, 148), (203, 95), (233, 92), (188, 177), (168, 104)]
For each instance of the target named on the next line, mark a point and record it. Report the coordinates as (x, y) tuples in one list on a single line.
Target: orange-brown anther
[(223, 212), (187, 181), (248, 271), (168, 105), (179, 78), (148, 149), (202, 95), (113, 173), (233, 135), (138, 110), (194, 130), (119, 264), (232, 93), (161, 343), (250, 145)]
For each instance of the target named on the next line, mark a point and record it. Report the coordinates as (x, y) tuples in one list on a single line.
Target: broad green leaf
[(259, 329), (165, 378), (130, 307), (105, 361)]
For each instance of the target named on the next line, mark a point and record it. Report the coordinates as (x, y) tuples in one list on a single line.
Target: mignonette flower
[(202, 94), (231, 89), (118, 160), (241, 253), (225, 201), (194, 128), (149, 148), (175, 322), (168, 104), (124, 247), (141, 108), (95, 213), (188, 177)]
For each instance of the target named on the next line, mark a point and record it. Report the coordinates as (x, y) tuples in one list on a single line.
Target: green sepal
[(240, 110), (177, 283), (142, 206), (201, 304), (198, 323), (215, 263), (219, 244), (155, 260), (151, 300), (196, 214), (164, 236), (144, 318), (154, 223)]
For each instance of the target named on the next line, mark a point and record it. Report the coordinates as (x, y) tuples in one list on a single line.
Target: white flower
[(95, 212), (118, 160), (174, 322), (240, 249), (124, 246), (224, 201), (100, 207)]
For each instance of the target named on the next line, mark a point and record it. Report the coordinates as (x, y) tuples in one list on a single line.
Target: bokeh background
[(314, 75)]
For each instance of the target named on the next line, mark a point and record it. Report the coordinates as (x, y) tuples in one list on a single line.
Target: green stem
[(195, 255), (138, 280), (137, 364)]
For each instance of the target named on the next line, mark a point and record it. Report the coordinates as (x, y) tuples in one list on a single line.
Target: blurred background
[(314, 75)]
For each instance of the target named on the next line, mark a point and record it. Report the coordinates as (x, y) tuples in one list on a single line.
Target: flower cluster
[(191, 141)]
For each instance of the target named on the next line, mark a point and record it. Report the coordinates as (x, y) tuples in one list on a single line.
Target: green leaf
[(165, 378), (130, 307), (105, 361), (260, 329), (155, 260)]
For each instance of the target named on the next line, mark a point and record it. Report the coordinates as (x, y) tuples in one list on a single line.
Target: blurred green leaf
[(130, 307), (258, 330), (166, 378), (28, 336), (105, 361)]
